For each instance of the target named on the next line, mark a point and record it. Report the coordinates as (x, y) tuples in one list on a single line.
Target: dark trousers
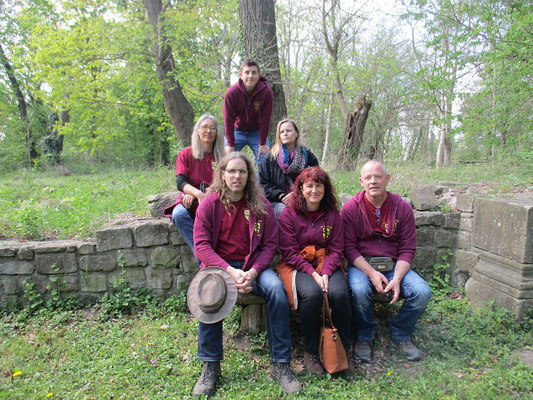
[(310, 306)]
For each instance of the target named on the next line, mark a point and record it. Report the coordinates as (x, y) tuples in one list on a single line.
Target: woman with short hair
[(312, 242), (287, 160)]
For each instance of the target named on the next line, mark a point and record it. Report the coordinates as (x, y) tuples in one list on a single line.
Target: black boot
[(208, 379)]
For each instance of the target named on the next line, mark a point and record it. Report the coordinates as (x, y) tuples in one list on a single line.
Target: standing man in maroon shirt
[(380, 243), (247, 111)]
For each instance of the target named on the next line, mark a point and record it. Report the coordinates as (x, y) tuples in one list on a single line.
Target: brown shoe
[(312, 363), (208, 379), (281, 373)]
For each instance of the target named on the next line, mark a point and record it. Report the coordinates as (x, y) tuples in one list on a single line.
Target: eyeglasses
[(207, 127), (235, 171)]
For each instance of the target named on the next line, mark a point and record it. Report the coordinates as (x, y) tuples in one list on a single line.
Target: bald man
[(380, 243)]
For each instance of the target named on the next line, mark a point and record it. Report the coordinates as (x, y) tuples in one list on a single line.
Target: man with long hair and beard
[(235, 229)]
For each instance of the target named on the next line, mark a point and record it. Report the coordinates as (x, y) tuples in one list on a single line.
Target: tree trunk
[(178, 107), (354, 132), (22, 106), (328, 129), (258, 24)]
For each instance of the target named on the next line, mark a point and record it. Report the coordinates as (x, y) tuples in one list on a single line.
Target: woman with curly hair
[(312, 242)]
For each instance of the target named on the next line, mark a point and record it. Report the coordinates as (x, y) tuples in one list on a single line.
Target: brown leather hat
[(211, 295)]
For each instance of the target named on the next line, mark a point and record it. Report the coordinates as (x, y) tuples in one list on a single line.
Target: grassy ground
[(152, 355), (42, 206)]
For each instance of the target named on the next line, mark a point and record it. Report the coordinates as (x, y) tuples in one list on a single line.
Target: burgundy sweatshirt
[(360, 239), (248, 112), (297, 231)]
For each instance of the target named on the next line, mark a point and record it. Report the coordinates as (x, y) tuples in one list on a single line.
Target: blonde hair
[(274, 152), (253, 193), (218, 144)]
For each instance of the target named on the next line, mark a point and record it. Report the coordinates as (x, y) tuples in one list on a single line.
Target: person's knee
[(423, 294), (179, 213), (360, 292)]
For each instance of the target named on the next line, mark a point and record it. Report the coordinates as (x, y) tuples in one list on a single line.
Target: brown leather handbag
[(331, 350)]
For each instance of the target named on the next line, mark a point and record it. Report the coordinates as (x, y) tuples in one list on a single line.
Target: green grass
[(45, 205), (152, 355)]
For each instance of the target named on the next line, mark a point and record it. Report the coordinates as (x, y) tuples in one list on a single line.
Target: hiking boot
[(409, 349), (281, 373), (208, 379), (312, 363), (363, 351)]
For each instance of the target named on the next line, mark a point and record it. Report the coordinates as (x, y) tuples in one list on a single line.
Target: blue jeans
[(413, 289), (268, 286), (184, 223), (250, 138)]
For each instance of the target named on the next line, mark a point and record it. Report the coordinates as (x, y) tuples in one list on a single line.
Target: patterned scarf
[(292, 162)]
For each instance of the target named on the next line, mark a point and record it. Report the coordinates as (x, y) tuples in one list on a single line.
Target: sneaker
[(208, 379), (312, 363), (363, 351), (409, 349), (281, 373)]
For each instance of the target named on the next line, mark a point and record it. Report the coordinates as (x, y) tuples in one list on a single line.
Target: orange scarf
[(287, 273)]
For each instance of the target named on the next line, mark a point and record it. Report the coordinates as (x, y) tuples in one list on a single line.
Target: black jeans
[(310, 306)]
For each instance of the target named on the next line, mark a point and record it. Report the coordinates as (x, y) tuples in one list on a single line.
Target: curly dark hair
[(316, 174)]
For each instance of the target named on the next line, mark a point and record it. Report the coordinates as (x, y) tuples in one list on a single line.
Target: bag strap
[(327, 322)]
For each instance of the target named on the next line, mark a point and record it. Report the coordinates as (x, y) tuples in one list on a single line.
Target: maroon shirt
[(196, 171), (234, 240), (246, 112)]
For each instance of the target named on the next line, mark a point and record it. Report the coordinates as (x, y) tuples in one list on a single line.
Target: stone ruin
[(487, 243)]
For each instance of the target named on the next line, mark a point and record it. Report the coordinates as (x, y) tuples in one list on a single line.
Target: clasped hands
[(243, 279), (322, 281)]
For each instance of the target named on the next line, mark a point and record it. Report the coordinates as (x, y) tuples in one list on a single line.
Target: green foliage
[(123, 300), (33, 299), (440, 279)]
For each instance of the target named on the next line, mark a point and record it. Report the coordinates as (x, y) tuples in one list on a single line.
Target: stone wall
[(490, 245), (502, 236), (149, 251)]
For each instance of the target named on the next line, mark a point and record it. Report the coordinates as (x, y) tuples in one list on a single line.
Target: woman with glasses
[(311, 241), (287, 159), (194, 173)]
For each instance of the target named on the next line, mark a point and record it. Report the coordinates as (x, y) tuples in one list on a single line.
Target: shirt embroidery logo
[(247, 214), (326, 231), (257, 227), (213, 165), (257, 105)]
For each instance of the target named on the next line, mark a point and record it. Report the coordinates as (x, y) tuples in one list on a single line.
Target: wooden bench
[(254, 312)]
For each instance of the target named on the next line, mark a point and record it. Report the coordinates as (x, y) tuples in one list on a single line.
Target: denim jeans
[(413, 289), (268, 286), (250, 138), (184, 223)]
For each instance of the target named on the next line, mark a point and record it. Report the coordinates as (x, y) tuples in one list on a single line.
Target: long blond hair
[(274, 152), (218, 144), (253, 193)]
